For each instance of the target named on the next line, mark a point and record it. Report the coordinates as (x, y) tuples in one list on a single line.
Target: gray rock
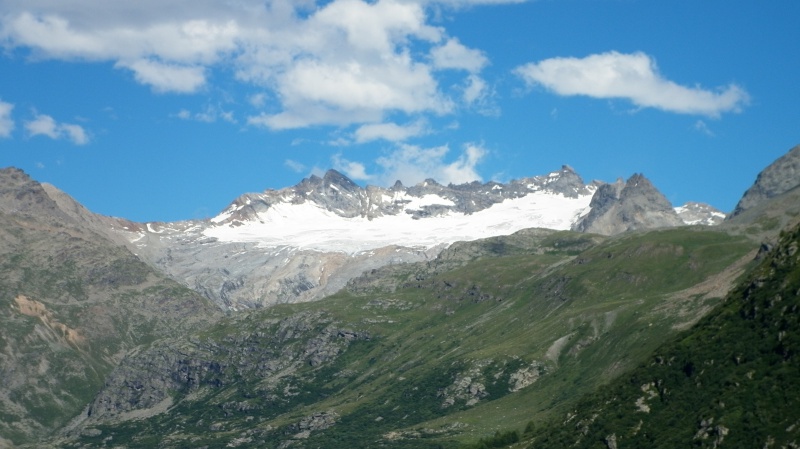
[(617, 208), (778, 178)]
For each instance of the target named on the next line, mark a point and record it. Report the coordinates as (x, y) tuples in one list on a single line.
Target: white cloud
[(6, 122), (463, 169), (167, 77), (338, 62), (630, 76), (413, 164), (258, 100), (389, 131), (44, 125), (702, 127), (353, 170), (454, 55), (75, 133)]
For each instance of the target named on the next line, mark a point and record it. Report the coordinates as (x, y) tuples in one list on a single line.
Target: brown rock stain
[(33, 308)]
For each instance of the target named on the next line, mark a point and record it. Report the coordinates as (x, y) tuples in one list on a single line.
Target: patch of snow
[(417, 203)]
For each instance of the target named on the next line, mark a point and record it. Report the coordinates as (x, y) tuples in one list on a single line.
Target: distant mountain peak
[(20, 194), (693, 213), (620, 207)]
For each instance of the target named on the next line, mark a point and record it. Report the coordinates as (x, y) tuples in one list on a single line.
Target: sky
[(164, 110)]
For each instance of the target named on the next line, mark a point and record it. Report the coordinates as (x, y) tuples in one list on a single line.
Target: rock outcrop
[(620, 207)]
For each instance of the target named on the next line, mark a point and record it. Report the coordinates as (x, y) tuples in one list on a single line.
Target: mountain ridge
[(431, 354), (304, 242), (331, 230)]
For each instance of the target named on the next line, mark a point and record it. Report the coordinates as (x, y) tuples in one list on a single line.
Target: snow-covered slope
[(304, 242), (309, 226)]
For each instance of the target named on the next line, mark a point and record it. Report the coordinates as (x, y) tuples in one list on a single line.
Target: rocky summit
[(635, 204)]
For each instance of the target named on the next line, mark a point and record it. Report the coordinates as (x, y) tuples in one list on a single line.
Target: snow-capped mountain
[(332, 214), (304, 242)]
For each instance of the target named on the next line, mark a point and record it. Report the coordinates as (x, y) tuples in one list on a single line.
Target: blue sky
[(167, 110)]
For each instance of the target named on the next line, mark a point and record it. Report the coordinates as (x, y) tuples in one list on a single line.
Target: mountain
[(730, 381), (636, 204), (101, 346), (488, 335), (72, 304), (777, 179), (305, 242)]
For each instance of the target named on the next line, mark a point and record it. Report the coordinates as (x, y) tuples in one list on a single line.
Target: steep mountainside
[(72, 303), (422, 355), (778, 178), (730, 382), (772, 202)]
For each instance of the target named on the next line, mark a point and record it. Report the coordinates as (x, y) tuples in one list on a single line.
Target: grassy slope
[(448, 341), (731, 381)]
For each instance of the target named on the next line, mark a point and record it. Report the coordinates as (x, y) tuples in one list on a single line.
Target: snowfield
[(311, 227)]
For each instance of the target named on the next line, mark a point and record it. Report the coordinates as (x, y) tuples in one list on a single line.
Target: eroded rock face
[(636, 204), (174, 370), (778, 178)]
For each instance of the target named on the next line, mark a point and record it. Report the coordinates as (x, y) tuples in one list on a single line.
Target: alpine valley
[(543, 313)]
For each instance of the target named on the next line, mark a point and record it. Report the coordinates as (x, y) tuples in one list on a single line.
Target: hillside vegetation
[(731, 381), (489, 337)]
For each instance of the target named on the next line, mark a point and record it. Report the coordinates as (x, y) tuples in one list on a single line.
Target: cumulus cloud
[(389, 131), (44, 125), (454, 55), (630, 76), (167, 77), (6, 122), (412, 164), (354, 170), (338, 62)]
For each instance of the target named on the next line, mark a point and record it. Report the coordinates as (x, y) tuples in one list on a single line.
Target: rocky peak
[(778, 178), (21, 195), (563, 182), (616, 208), (334, 178)]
